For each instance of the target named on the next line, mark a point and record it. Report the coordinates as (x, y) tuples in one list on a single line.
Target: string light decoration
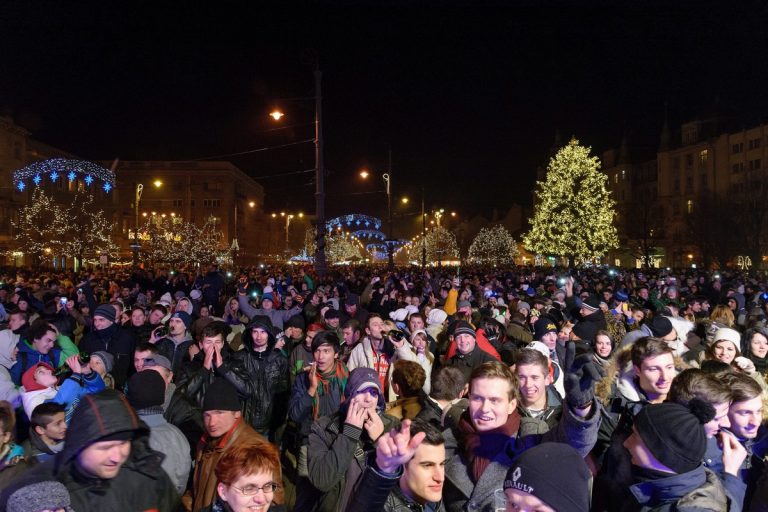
[(353, 222), (40, 227), (339, 246), (574, 211), (46, 228), (493, 246), (174, 241), (54, 168), (440, 243)]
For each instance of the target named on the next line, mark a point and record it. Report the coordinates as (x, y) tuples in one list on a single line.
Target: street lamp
[(136, 245), (320, 265), (288, 217)]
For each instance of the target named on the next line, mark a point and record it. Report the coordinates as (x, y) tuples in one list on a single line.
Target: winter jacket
[(208, 453), (141, 483), (552, 414), (743, 485), (35, 449), (468, 362), (698, 490), (276, 316), (178, 410), (519, 333), (220, 505), (268, 375), (337, 457), (68, 394), (300, 405), (177, 353), (8, 391), (380, 492), (362, 356), (118, 342), (168, 440), (195, 378), (29, 357), (460, 493)]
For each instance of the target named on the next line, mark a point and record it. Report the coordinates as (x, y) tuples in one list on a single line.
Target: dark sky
[(468, 96)]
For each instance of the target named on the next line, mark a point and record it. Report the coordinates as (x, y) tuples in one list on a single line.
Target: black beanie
[(145, 390), (106, 311), (660, 326), (674, 433), (591, 304), (586, 331), (553, 472), (543, 326), (221, 396)]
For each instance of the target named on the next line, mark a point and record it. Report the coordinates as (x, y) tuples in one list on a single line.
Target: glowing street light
[(364, 174), (276, 115), (157, 183)]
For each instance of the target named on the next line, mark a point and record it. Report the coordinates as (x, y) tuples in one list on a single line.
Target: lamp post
[(135, 246), (423, 231)]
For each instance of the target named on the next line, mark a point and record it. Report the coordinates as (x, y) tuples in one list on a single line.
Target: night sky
[(467, 96)]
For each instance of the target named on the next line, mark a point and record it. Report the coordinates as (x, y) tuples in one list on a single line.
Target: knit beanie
[(28, 379), (296, 321), (555, 473), (585, 330), (145, 390), (727, 334), (544, 325), (660, 326), (106, 358), (523, 305), (38, 496), (105, 311), (591, 304), (220, 396), (361, 378), (184, 317), (674, 433), (463, 327), (436, 317)]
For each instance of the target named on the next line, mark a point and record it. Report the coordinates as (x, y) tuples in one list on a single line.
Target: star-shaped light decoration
[(54, 176), (71, 176), (88, 180), (21, 186), (107, 187), (36, 179)]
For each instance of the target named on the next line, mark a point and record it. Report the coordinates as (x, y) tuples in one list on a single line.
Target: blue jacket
[(28, 357)]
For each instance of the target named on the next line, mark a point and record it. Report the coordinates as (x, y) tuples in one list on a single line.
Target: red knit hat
[(28, 379)]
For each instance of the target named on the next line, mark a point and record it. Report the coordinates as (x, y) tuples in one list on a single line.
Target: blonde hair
[(722, 314)]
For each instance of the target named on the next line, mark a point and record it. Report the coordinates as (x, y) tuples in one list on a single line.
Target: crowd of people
[(472, 389)]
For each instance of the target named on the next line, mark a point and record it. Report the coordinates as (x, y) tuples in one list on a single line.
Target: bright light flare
[(276, 115)]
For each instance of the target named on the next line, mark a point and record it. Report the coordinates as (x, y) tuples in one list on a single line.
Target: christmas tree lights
[(574, 211), (494, 246), (440, 243)]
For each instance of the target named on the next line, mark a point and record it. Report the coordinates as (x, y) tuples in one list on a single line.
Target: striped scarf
[(337, 376)]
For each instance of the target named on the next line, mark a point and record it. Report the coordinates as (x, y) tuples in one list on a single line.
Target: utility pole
[(320, 266)]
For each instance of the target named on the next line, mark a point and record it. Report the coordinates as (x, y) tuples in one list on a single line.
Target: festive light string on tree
[(174, 241), (494, 246), (339, 246), (440, 243), (41, 226), (89, 231), (574, 211)]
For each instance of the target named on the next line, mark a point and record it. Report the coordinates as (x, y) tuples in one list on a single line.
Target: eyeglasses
[(250, 490)]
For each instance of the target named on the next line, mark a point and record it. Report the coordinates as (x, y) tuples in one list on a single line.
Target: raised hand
[(356, 415), (373, 424), (733, 453), (397, 447)]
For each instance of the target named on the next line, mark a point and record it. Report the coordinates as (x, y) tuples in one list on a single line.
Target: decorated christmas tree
[(574, 211), (493, 246)]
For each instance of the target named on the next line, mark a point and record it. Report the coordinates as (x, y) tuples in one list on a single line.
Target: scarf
[(338, 376), (761, 364), (480, 448)]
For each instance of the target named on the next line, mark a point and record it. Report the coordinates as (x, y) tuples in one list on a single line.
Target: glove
[(580, 378), (745, 365)]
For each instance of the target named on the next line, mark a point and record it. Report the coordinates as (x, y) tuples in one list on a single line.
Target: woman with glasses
[(245, 475)]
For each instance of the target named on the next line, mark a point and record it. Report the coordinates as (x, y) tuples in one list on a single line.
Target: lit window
[(690, 206)]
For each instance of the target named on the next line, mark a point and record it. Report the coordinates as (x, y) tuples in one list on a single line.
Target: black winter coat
[(195, 378), (118, 342), (268, 375)]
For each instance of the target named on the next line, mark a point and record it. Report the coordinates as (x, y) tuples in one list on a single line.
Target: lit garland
[(440, 243), (574, 212), (46, 228), (54, 168), (338, 246), (175, 241), (353, 221), (494, 246)]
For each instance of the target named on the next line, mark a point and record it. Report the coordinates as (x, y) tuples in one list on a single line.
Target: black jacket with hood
[(268, 375), (141, 484)]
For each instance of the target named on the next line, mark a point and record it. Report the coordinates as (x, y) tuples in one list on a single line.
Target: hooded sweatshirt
[(141, 483)]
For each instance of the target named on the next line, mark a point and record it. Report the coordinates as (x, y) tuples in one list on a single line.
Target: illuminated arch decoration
[(378, 250), (353, 222), (55, 169), (369, 234)]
